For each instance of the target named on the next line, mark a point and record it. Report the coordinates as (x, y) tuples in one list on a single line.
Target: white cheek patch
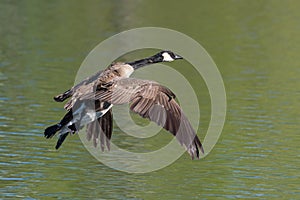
[(128, 71), (167, 57)]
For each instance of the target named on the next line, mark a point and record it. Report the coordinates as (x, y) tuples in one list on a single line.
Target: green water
[(255, 45)]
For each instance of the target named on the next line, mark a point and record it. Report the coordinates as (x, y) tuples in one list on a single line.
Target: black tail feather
[(61, 139), (51, 130)]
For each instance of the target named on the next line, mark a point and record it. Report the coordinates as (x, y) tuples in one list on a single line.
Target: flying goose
[(92, 100)]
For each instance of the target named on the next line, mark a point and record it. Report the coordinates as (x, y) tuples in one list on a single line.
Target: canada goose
[(92, 100)]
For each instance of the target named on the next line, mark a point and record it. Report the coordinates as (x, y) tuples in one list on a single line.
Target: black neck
[(143, 62)]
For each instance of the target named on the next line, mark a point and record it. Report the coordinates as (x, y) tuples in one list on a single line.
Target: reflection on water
[(255, 45)]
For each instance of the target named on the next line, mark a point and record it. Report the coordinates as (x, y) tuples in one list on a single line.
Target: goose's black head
[(163, 56)]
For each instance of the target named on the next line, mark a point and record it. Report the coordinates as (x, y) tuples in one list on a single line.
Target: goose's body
[(92, 100)]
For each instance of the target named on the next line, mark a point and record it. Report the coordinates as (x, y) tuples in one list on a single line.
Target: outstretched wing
[(100, 130), (80, 86), (155, 102)]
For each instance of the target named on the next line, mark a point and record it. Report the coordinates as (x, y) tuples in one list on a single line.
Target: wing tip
[(193, 149), (63, 96)]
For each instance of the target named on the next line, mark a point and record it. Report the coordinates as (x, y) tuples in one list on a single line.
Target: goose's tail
[(51, 130)]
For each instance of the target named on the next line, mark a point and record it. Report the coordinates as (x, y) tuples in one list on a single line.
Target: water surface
[(256, 47)]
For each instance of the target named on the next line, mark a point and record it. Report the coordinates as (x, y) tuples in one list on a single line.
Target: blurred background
[(255, 45)]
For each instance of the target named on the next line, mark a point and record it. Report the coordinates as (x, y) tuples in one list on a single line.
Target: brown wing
[(101, 130), (155, 102), (63, 96)]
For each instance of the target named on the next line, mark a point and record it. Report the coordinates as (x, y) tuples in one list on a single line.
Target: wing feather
[(155, 102), (101, 130), (63, 96)]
